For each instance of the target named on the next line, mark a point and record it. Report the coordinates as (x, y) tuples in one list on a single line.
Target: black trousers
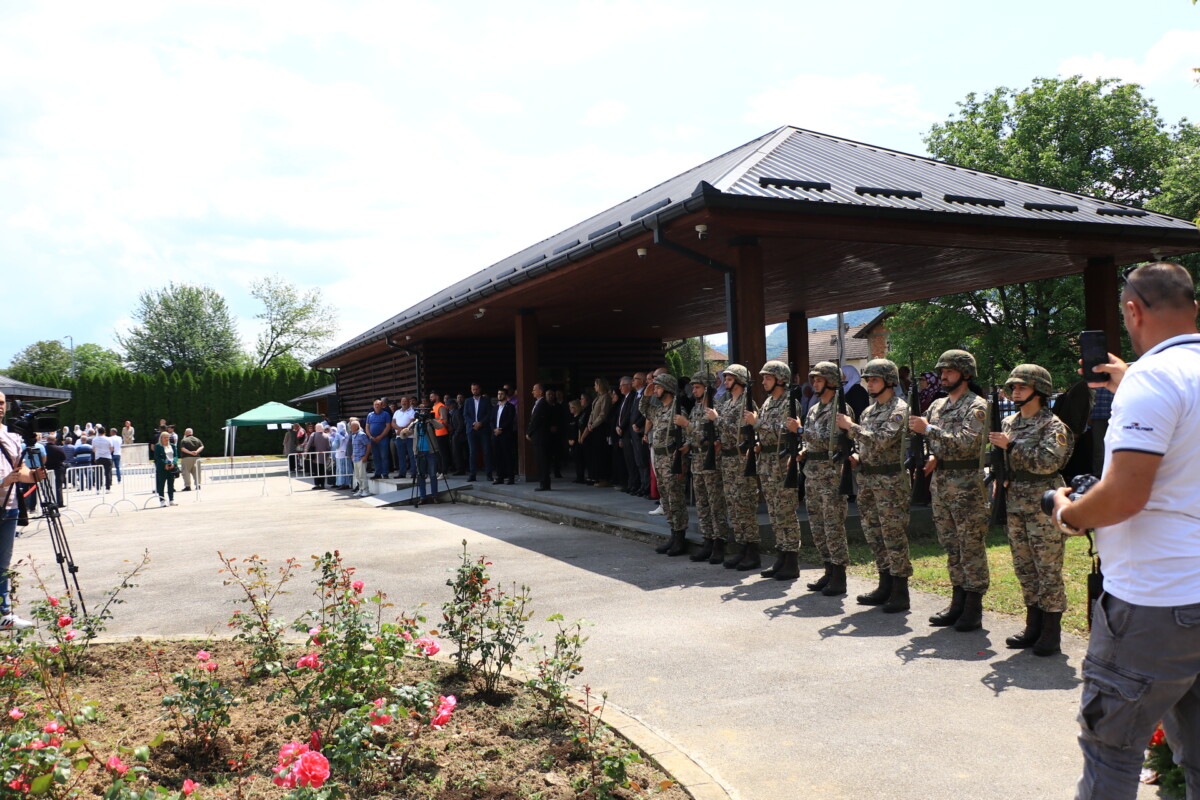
[(505, 456), (542, 457)]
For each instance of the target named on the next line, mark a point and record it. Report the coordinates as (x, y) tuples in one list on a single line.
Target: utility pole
[(72, 338)]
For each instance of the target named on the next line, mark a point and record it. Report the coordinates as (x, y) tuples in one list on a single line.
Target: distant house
[(876, 333), (822, 346), (715, 360)]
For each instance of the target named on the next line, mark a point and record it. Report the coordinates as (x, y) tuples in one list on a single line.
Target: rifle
[(918, 453), (676, 440), (710, 445), (749, 438), (998, 467), (791, 442), (841, 454)]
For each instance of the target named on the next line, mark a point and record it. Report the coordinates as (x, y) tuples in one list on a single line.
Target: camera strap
[(14, 462)]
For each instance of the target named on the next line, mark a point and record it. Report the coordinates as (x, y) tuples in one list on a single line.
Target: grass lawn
[(929, 574)]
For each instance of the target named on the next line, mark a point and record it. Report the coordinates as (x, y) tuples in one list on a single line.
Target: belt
[(817, 455), (1022, 476), (879, 469), (729, 452), (970, 463), (662, 451), (772, 449)]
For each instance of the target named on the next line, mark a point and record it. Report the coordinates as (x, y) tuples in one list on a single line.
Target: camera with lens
[(1080, 485), (422, 414), (29, 421)]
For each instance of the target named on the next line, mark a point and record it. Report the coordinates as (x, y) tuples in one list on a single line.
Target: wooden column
[(751, 316), (527, 375), (1102, 298), (797, 342)]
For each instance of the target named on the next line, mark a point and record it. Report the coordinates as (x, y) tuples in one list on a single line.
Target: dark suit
[(540, 420), (504, 439), (479, 440), (637, 465)]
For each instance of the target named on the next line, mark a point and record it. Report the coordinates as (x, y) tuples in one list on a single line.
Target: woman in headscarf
[(337, 440), (930, 388)]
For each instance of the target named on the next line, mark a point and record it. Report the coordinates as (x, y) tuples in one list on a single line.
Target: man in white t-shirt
[(406, 463), (1143, 661), (102, 456)]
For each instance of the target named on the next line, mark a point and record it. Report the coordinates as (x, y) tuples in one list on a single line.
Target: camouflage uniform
[(741, 493), (772, 471), (710, 497), (670, 486), (822, 476), (883, 498), (956, 433), (1039, 447)]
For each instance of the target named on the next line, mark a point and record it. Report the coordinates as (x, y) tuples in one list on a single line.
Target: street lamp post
[(72, 338)]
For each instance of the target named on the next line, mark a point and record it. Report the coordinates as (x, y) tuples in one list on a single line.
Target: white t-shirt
[(116, 444), (101, 447), (1153, 558), (403, 417)]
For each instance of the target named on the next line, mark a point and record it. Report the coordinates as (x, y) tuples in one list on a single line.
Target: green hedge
[(201, 402)]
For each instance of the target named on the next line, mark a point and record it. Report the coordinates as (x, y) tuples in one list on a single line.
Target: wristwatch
[(1063, 526)]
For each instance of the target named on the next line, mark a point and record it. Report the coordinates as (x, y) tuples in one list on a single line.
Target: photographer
[(1143, 659), (12, 472), (423, 431)]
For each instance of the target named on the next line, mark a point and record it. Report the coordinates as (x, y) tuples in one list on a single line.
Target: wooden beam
[(527, 376), (1102, 299), (751, 315), (797, 342)]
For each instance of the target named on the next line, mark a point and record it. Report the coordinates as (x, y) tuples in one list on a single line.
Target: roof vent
[(1121, 212), (564, 248), (533, 261), (666, 201), (974, 201), (876, 191), (1050, 207), (507, 272), (788, 183), (606, 229)]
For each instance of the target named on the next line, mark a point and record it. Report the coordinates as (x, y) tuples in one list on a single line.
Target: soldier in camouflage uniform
[(661, 421), (883, 486), (956, 430), (1037, 444), (741, 492), (710, 497), (822, 478), (777, 447)]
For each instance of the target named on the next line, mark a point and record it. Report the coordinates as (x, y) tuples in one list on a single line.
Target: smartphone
[(1093, 346)]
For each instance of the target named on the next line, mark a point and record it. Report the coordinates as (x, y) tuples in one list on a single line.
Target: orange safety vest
[(445, 429)]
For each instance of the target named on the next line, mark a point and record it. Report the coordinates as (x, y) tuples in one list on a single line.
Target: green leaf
[(157, 740), (41, 784), (141, 753)]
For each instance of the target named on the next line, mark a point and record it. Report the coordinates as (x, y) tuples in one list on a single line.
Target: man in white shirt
[(401, 419), (11, 471), (117, 442), (1143, 662), (102, 456)]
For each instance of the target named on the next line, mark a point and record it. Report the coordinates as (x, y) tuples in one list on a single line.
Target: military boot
[(971, 618), (679, 545), (750, 558), (734, 555), (837, 581), (882, 592), (898, 601), (1050, 642), (718, 552), (665, 546), (950, 614), (822, 581), (704, 553), (791, 567), (770, 571), (1033, 629)]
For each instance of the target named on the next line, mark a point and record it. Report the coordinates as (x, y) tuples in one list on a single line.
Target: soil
[(492, 748)]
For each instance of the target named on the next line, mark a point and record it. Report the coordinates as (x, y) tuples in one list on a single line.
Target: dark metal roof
[(27, 391), (316, 394), (796, 168)]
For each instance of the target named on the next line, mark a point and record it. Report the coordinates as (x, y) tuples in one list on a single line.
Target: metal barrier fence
[(328, 468), (87, 481)]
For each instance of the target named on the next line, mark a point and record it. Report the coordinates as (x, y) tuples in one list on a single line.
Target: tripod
[(426, 461)]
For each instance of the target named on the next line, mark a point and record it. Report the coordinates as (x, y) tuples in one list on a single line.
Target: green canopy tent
[(267, 414)]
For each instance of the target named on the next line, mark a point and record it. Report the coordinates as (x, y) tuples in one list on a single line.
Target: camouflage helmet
[(959, 360), (827, 370), (668, 382), (882, 368), (778, 370), (706, 379), (1031, 375), (739, 373)]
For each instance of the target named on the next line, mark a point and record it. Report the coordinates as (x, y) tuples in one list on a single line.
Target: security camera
[(702, 231), (642, 252)]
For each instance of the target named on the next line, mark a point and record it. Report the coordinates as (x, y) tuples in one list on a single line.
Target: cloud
[(1169, 60), (605, 113), (495, 103), (854, 106)]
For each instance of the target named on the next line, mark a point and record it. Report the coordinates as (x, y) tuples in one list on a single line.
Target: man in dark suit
[(624, 422), (503, 422), (477, 413), (540, 435)]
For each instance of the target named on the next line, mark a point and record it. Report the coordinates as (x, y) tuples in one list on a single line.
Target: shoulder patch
[(980, 414), (1061, 438), (897, 417)]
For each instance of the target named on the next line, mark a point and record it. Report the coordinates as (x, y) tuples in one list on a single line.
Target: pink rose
[(357, 586), (203, 655), (37, 744), (406, 636), (427, 646), (53, 648), (18, 784), (312, 769), (189, 786), (64, 621), (16, 713), (211, 666), (55, 727), (378, 718), (71, 635), (314, 740), (441, 712), (53, 601), (310, 661), (115, 766)]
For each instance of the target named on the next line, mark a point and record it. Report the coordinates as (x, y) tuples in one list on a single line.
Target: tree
[(48, 359), (1100, 138), (92, 359), (181, 327), (296, 326)]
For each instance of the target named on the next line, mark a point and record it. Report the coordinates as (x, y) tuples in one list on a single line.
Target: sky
[(379, 151)]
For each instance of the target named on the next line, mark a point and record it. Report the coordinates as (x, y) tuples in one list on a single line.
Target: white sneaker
[(657, 512), (162, 503), (11, 622), (174, 503)]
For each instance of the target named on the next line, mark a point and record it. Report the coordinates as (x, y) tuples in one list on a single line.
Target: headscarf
[(932, 390)]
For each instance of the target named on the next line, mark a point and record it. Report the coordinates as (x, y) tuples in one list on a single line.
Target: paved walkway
[(778, 692)]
